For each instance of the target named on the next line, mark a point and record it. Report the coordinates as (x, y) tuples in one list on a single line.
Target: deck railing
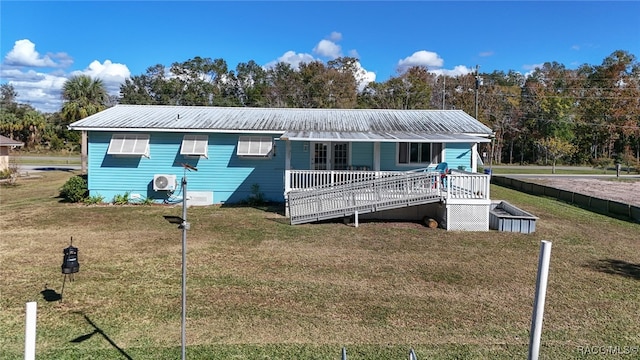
[(315, 179), (456, 185), (467, 185)]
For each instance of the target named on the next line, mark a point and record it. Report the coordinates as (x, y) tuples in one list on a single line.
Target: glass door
[(340, 156), (320, 156)]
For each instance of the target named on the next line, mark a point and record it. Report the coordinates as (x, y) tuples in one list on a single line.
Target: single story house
[(6, 144), (240, 153)]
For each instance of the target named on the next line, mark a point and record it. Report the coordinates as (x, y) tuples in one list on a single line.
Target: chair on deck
[(443, 168)]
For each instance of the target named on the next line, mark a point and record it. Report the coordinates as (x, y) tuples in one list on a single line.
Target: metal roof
[(380, 137), (5, 141), (365, 124)]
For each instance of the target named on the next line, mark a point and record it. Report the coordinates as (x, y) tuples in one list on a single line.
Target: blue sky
[(44, 43)]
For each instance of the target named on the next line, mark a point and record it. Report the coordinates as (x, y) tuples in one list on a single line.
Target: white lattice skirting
[(467, 217)]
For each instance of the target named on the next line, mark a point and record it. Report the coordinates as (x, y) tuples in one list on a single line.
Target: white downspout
[(474, 157), (83, 152), (287, 176)]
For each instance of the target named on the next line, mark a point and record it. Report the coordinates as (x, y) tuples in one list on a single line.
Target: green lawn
[(259, 288)]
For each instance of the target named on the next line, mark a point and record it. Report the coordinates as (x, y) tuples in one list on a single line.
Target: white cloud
[(38, 89), (292, 58), (456, 71), (433, 62), (532, 67), (112, 75), (363, 76), (486, 53), (43, 89), (328, 48), (24, 54), (420, 58)]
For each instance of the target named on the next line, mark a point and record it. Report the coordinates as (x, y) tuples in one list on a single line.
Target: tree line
[(590, 114)]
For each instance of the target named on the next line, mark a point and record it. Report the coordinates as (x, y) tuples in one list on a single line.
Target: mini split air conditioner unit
[(163, 182)]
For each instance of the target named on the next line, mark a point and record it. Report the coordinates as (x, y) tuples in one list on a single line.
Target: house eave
[(175, 130), (386, 137)]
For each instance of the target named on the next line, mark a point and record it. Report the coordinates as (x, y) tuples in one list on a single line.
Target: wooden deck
[(321, 195)]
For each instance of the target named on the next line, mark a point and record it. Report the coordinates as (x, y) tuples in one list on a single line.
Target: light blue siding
[(228, 176), (300, 155), (455, 154), (388, 158), (362, 154), (458, 154)]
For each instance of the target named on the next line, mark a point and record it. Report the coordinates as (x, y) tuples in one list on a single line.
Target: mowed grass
[(259, 288)]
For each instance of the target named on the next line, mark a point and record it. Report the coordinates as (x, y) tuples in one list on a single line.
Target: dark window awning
[(382, 137)]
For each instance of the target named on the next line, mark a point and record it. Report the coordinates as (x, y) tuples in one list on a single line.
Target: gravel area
[(626, 191)]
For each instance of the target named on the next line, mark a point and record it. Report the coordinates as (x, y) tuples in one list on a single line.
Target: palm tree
[(83, 96)]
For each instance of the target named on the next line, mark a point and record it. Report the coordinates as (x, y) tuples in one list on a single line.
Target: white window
[(419, 153), (194, 145), (255, 146), (129, 144)]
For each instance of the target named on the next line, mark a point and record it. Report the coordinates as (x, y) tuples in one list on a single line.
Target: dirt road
[(626, 190)]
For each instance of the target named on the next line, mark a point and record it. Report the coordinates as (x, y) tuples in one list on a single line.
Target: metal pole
[(444, 89), (184, 267), (538, 303), (477, 84)]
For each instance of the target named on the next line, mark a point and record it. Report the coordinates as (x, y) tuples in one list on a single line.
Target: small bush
[(146, 201), (11, 172), (5, 174), (256, 198), (121, 199), (75, 189), (93, 200), (602, 163)]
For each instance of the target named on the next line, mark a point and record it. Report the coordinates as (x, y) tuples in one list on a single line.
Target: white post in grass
[(538, 303), (356, 218), (30, 331)]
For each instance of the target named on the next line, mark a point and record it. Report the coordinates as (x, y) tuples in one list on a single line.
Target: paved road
[(37, 168), (48, 163)]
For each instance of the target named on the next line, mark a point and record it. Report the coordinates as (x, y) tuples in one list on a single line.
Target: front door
[(340, 156), (320, 156), (330, 156)]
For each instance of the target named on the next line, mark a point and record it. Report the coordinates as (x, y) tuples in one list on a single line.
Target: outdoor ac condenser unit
[(163, 182)]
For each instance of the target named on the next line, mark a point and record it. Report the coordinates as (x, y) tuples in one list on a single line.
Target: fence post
[(30, 331), (538, 303)]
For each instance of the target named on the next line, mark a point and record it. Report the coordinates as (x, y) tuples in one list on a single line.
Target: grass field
[(259, 288)]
